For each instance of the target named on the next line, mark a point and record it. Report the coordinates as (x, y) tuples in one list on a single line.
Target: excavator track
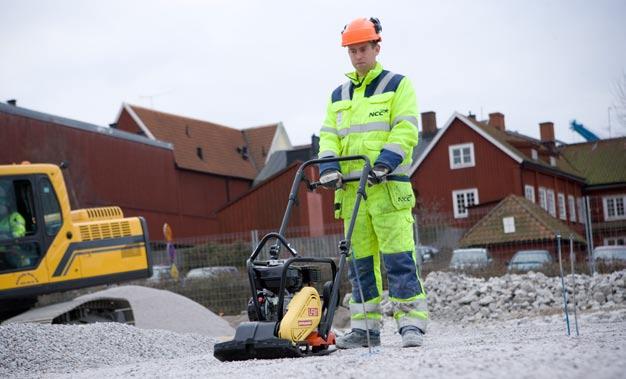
[(79, 311)]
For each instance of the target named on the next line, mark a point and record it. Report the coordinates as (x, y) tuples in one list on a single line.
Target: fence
[(212, 269)]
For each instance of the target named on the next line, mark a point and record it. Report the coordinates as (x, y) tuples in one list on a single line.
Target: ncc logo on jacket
[(379, 112), (403, 199)]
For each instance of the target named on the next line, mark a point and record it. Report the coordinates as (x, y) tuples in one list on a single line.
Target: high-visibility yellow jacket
[(13, 225), (374, 116)]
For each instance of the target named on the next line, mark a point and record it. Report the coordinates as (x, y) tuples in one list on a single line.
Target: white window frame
[(562, 208), (529, 192), (534, 154), (611, 241), (460, 147), (614, 199), (553, 161), (457, 213), (551, 199), (571, 202), (543, 198), (582, 218)]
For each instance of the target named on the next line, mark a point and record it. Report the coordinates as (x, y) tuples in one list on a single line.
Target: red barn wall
[(104, 170)]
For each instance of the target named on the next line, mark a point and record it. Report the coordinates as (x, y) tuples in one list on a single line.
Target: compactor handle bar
[(293, 196)]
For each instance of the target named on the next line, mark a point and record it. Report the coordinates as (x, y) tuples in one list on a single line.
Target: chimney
[(546, 130), (315, 146), (12, 102), (429, 123), (496, 120)]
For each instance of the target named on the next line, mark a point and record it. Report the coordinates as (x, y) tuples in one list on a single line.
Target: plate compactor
[(288, 318)]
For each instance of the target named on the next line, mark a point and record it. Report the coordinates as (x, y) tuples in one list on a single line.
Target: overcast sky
[(250, 63)]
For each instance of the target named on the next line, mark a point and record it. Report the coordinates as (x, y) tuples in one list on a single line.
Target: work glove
[(331, 179), (377, 175)]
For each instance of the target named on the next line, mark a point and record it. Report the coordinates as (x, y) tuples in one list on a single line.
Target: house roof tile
[(510, 139), (208, 147), (531, 223), (600, 162)]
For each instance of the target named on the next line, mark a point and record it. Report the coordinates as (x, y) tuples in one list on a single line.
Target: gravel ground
[(530, 347)]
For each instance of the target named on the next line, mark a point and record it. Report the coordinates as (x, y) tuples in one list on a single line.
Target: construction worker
[(12, 224), (375, 114)]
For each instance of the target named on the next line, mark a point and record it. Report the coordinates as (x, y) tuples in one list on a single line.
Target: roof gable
[(259, 140), (507, 149)]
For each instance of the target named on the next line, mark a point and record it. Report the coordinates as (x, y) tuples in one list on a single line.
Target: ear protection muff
[(377, 26)]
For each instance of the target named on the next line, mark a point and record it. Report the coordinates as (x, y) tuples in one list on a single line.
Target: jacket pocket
[(382, 98), (342, 112), (372, 149), (401, 194)]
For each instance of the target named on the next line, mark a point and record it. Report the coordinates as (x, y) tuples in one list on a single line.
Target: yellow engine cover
[(302, 317)]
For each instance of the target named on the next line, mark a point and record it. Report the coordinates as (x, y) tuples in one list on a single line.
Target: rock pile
[(459, 297)]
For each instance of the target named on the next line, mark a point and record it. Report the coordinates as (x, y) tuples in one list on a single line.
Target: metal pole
[(590, 236), (571, 259), (416, 231), (558, 243), (254, 238), (416, 242), (358, 282), (361, 194)]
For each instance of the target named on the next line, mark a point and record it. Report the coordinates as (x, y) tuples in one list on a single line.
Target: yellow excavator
[(46, 247)]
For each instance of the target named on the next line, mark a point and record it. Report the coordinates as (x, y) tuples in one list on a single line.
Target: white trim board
[(136, 118)]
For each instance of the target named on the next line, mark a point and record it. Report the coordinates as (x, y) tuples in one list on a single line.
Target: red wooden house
[(470, 166)]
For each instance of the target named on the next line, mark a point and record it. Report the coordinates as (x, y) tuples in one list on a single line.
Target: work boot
[(357, 338), (412, 337)]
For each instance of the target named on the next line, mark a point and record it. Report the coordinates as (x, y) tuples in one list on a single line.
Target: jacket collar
[(371, 75)]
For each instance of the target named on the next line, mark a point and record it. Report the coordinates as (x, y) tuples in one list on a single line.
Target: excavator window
[(25, 204), (50, 206), (19, 247)]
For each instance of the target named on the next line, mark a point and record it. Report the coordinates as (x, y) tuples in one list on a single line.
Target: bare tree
[(619, 92)]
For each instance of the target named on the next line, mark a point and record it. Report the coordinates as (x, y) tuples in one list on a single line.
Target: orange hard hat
[(361, 30)]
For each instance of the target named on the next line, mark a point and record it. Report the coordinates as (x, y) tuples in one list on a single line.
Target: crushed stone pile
[(159, 309), (454, 296), (39, 349), (460, 297)]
